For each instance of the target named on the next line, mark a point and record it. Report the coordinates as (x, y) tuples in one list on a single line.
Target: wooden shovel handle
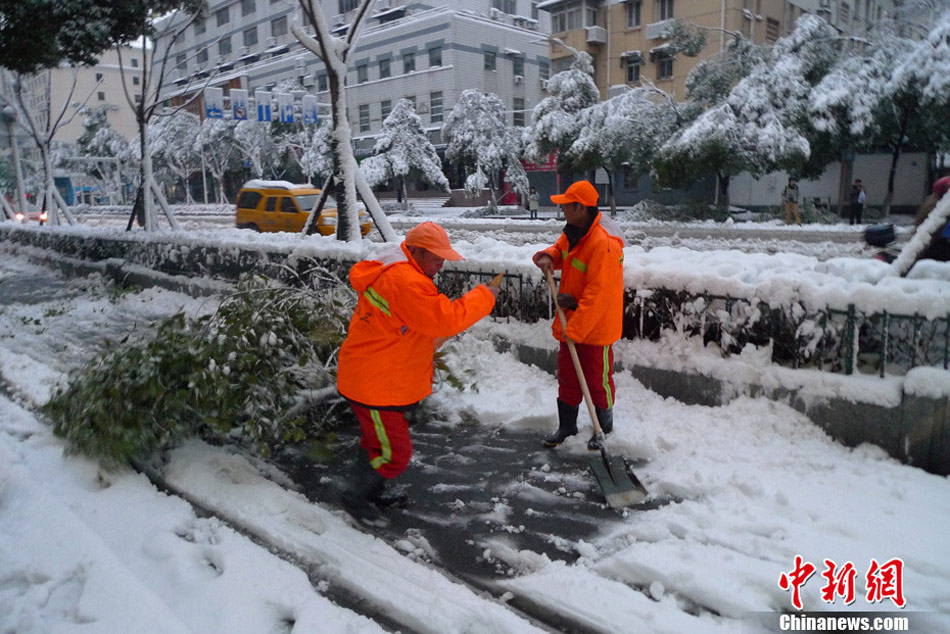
[(577, 362)]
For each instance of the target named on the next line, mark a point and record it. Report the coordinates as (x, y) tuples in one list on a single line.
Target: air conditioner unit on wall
[(519, 79), (497, 14)]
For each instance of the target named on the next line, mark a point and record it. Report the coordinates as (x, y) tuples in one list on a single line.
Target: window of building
[(98, 76), (435, 107), (278, 26), (517, 117), (408, 62), (535, 12), (385, 107), (385, 68), (250, 36), (135, 62), (135, 80), (507, 6), (102, 96), (491, 60), (223, 15), (633, 73), (544, 70), (347, 5), (844, 13), (591, 17), (202, 56), (224, 45), (362, 74), (248, 7), (364, 117), (634, 11), (517, 65), (180, 62), (412, 100), (664, 10), (772, 28), (566, 18), (664, 67), (561, 64), (435, 56), (322, 82), (200, 28)]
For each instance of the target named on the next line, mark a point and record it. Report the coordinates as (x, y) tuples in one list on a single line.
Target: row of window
[(223, 16), (436, 113), (408, 64), (570, 17), (278, 27), (386, 107), (664, 69)]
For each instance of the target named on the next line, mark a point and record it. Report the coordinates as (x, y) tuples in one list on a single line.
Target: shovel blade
[(620, 486)]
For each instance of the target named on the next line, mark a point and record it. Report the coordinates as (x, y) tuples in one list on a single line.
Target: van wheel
[(254, 227)]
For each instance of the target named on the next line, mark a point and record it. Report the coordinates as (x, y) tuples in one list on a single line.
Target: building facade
[(625, 37), (428, 52)]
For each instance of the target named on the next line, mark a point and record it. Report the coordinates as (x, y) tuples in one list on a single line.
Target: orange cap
[(580, 192), (432, 238)]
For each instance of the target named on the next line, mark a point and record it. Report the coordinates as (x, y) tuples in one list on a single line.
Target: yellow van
[(282, 206)]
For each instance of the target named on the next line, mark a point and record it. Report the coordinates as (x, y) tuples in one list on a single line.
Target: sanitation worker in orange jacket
[(589, 255), (386, 362)]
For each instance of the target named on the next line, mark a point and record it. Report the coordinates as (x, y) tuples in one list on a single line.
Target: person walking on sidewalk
[(385, 365), (858, 198), (533, 203), (589, 254), (790, 201)]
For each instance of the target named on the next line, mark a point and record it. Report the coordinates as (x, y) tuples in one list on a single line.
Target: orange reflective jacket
[(593, 273), (386, 359)]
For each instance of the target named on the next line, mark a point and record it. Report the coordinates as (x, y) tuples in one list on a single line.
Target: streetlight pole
[(8, 113)]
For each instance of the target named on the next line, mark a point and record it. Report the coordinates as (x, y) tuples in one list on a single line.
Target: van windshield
[(307, 201)]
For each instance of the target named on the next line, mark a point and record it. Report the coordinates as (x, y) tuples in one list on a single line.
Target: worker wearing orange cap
[(386, 362), (589, 255)]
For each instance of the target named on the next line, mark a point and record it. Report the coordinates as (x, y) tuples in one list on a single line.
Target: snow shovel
[(618, 482)]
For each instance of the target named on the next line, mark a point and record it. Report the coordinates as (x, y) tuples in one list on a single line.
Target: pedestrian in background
[(790, 201), (589, 254), (533, 203), (858, 198)]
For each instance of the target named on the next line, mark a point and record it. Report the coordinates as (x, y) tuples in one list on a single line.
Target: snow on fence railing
[(797, 330)]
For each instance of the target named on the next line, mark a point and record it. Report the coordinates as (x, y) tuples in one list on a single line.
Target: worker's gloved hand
[(567, 301)]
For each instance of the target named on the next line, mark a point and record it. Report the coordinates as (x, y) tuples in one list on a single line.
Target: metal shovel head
[(620, 486)]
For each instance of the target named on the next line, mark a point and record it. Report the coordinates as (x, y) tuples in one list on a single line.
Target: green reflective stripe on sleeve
[(610, 396), (563, 255), (577, 264), (377, 300), (387, 455)]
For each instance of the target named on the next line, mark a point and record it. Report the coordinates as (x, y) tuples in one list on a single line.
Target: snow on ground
[(749, 486)]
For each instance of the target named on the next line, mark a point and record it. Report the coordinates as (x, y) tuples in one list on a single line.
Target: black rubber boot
[(567, 424), (364, 489), (606, 419)]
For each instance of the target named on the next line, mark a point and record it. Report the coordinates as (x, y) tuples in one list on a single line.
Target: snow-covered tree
[(478, 138), (104, 154), (555, 121), (173, 142), (859, 108), (402, 151), (760, 127), (334, 52), (215, 144), (316, 159), (624, 131), (923, 76), (254, 140)]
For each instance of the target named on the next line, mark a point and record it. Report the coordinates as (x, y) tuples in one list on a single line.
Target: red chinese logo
[(884, 581)]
